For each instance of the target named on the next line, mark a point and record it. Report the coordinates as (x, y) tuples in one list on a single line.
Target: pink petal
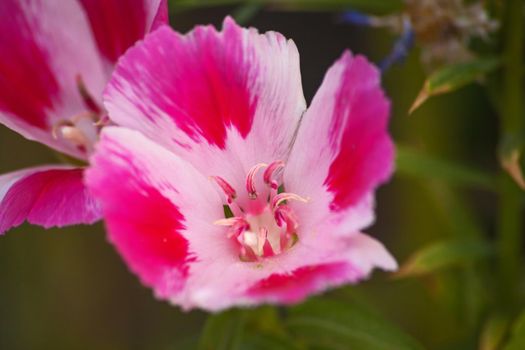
[(343, 150), (44, 45), (45, 196), (118, 24), (295, 286), (233, 97), (153, 204), (358, 255)]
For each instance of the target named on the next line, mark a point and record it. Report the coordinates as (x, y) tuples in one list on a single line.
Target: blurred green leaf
[(330, 324), (223, 331), (440, 255), (453, 77), (244, 13), (460, 222), (517, 340), (262, 341), (371, 6), (510, 160), (415, 163), (493, 333)]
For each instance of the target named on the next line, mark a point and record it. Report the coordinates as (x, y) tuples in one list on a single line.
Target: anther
[(226, 188), (281, 197), (250, 179), (274, 168)]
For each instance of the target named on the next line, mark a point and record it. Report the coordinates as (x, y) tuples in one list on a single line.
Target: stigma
[(269, 230)]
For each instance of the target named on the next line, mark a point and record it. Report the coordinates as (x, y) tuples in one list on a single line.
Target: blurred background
[(68, 288)]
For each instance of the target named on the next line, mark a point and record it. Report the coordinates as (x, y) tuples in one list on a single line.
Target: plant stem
[(512, 120)]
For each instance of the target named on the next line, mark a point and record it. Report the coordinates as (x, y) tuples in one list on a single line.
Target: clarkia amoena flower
[(56, 56), (220, 188)]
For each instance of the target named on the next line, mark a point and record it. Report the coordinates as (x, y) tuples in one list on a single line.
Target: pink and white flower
[(55, 59), (220, 188)]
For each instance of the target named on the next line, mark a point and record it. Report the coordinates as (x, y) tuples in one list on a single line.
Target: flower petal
[(46, 196), (153, 204), (359, 254), (343, 150), (118, 24), (44, 46), (233, 97)]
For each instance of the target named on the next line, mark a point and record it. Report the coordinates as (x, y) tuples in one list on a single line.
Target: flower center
[(82, 129), (266, 225)]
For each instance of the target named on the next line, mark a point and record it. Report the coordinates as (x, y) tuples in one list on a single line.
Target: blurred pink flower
[(55, 59), (220, 188)]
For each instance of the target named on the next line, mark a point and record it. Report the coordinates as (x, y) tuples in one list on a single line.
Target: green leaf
[(246, 12), (334, 325), (493, 333), (415, 163), (450, 78), (440, 255), (517, 340), (262, 341), (223, 331)]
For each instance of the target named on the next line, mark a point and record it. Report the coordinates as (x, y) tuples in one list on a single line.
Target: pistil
[(268, 230)]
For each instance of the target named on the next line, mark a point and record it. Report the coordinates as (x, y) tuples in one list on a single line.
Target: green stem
[(512, 119)]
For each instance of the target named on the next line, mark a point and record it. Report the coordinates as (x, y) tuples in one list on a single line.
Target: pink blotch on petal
[(46, 197), (146, 232), (27, 83), (207, 90), (118, 24), (233, 86), (365, 150), (131, 176), (295, 286)]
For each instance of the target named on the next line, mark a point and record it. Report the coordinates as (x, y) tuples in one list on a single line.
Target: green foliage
[(316, 324), (440, 255), (415, 163), (517, 340), (261, 341), (330, 324), (493, 333), (453, 77), (223, 331)]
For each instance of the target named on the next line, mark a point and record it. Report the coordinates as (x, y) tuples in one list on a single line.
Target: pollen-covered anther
[(285, 196), (272, 172), (226, 188), (250, 179)]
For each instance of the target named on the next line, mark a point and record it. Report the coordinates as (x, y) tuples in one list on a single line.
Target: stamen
[(272, 169), (285, 215), (86, 96), (237, 226), (226, 187), (103, 121), (281, 197), (68, 131), (228, 221), (250, 179)]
